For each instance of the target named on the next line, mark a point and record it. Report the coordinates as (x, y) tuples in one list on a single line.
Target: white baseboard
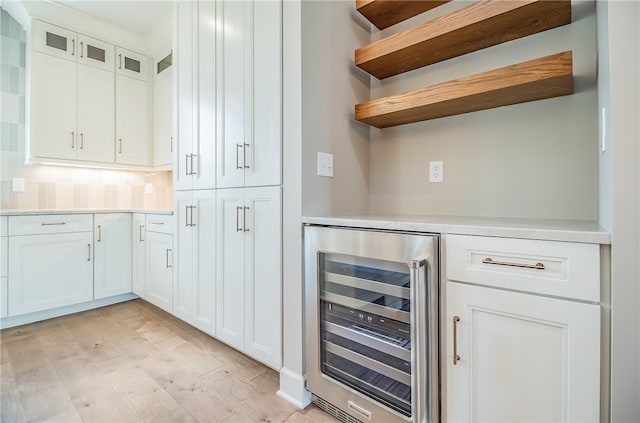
[(292, 388)]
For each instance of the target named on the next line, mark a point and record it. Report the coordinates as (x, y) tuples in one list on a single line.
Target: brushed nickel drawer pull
[(537, 266), (191, 215), (99, 233), (456, 357), (81, 141), (157, 223), (73, 140), (168, 264), (81, 49), (89, 256), (244, 156), (53, 223), (238, 228), (244, 218), (238, 147), (140, 233)]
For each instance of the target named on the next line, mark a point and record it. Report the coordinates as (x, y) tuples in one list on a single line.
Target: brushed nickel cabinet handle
[(73, 46), (120, 147), (456, 357), (81, 141), (120, 57), (244, 219), (238, 147), (244, 156), (238, 228), (52, 223), (537, 266), (73, 139), (81, 48), (99, 233), (89, 249), (168, 264), (141, 227), (191, 215), (186, 216)]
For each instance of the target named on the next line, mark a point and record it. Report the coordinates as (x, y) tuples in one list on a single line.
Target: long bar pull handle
[(73, 139), (73, 46), (244, 219), (53, 223), (238, 209), (191, 215), (419, 347), (193, 171), (186, 165), (140, 233), (537, 266), (81, 48), (120, 57), (81, 141), (186, 216), (157, 223), (238, 147), (99, 233), (120, 148), (244, 156), (456, 357), (167, 255), (89, 256)]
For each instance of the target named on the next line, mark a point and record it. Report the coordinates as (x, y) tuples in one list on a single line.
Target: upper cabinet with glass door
[(71, 111), (163, 111)]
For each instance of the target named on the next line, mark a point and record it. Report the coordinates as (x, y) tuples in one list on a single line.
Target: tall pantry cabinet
[(229, 152)]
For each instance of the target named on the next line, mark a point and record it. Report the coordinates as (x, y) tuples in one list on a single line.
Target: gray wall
[(330, 88), (538, 159)]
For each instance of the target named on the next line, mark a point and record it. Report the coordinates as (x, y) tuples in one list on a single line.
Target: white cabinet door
[(4, 258), (131, 64), (230, 289), (54, 40), (138, 260), (249, 266), (112, 267), (49, 271), (263, 275), (96, 114), (53, 107), (160, 269), (194, 285), (95, 53), (132, 121), (195, 159), (521, 357), (249, 93), (163, 119)]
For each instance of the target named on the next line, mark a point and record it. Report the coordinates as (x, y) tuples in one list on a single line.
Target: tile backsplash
[(58, 187)]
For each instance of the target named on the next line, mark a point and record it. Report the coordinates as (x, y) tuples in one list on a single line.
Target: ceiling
[(138, 16)]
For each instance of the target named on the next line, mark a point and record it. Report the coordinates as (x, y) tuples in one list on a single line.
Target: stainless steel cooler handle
[(419, 335), (424, 341)]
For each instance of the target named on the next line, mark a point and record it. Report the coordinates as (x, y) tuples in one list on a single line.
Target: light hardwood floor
[(133, 362)]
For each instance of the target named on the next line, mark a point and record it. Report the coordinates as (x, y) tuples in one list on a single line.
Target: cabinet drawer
[(160, 223), (562, 269), (50, 224)]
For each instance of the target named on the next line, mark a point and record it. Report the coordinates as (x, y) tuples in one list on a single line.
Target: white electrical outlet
[(17, 185), (436, 171), (148, 188), (325, 164)]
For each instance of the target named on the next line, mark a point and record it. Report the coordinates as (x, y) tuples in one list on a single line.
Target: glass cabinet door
[(95, 53), (56, 41), (131, 64)]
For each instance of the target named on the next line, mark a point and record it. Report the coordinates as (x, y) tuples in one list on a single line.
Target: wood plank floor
[(133, 362)]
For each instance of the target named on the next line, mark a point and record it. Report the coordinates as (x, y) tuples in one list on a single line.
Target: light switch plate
[(18, 185), (325, 164)]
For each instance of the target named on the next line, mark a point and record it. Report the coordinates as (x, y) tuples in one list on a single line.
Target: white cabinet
[(163, 111), (112, 265), (132, 108), (249, 93), (138, 255), (4, 258), (521, 356), (195, 157), (72, 96), (51, 262), (195, 278), (159, 262), (248, 293)]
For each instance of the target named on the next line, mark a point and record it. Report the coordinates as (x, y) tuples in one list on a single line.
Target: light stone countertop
[(79, 211), (542, 229)]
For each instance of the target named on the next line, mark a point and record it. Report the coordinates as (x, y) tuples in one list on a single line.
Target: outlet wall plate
[(436, 171), (325, 164)]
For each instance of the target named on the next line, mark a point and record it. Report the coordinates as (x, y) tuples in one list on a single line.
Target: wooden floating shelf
[(546, 77), (483, 24), (386, 13)]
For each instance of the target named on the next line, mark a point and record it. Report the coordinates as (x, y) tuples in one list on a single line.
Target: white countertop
[(543, 229), (78, 211)]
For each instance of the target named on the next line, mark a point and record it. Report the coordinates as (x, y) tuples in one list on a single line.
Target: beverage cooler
[(371, 301)]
